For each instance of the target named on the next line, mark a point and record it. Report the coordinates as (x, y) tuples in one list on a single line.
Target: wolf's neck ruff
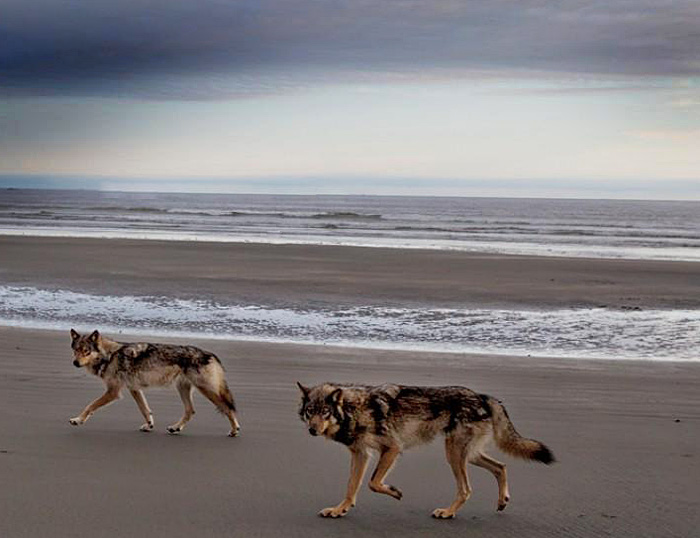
[(347, 425), (99, 367), (107, 348)]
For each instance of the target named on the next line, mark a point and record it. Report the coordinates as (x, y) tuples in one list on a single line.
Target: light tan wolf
[(141, 365), (392, 418)]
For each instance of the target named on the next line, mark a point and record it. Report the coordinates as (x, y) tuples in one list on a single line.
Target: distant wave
[(571, 228), (335, 215), (118, 209), (346, 215), (334, 220)]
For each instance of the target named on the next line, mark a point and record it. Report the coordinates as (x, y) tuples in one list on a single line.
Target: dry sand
[(626, 435)]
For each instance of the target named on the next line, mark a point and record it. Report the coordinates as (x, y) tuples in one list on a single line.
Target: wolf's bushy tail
[(224, 392), (511, 442), (211, 381)]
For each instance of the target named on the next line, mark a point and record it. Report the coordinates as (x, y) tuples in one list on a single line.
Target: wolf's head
[(86, 349), (321, 408)]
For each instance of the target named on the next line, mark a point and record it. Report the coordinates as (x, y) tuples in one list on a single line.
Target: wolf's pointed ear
[(74, 334), (94, 336), (335, 397), (304, 390)]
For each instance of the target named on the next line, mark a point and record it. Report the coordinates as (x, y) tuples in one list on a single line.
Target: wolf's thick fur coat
[(136, 366), (392, 418)]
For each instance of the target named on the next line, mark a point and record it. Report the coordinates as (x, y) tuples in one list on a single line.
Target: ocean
[(647, 230)]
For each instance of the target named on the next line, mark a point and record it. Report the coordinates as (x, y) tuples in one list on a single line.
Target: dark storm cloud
[(218, 48)]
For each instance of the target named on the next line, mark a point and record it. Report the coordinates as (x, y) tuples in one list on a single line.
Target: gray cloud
[(208, 49)]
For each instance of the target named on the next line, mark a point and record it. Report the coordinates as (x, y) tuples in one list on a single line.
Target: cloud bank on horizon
[(215, 49)]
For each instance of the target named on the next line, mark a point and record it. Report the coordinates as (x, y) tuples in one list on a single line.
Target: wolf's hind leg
[(145, 410), (498, 470), (184, 388), (218, 393), (386, 462), (456, 451)]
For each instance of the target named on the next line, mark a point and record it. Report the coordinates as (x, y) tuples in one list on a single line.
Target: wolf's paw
[(386, 489), (76, 421), (502, 504), (147, 427), (334, 511), (234, 433), (443, 513), (174, 429), (395, 492)]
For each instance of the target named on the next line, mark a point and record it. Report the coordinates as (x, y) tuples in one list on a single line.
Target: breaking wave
[(569, 333)]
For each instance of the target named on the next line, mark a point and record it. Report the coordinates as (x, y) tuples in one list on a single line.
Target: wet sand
[(626, 435), (281, 275)]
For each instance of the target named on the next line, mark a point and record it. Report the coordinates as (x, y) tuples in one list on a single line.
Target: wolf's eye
[(326, 411), (307, 413)]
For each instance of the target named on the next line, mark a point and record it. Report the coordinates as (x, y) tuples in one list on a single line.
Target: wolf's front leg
[(145, 410), (108, 397), (384, 465), (358, 466)]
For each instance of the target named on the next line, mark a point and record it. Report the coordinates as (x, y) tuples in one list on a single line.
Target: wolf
[(140, 365), (391, 418)]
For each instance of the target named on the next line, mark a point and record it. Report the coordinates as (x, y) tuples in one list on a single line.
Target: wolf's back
[(511, 442)]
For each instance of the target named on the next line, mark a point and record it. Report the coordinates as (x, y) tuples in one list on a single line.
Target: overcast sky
[(392, 96)]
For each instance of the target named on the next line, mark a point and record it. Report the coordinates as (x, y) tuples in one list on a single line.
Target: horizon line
[(603, 189), (329, 195)]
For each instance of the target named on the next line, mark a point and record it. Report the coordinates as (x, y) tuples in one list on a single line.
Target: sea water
[(650, 230)]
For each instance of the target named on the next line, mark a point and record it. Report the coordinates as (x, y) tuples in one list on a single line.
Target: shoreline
[(369, 298), (422, 357), (626, 438), (320, 354), (359, 346)]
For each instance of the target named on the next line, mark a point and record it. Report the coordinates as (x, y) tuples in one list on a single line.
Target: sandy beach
[(625, 432)]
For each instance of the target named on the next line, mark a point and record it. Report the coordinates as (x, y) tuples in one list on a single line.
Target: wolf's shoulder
[(132, 351), (435, 391)]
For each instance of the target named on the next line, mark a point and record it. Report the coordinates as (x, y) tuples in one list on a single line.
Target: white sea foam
[(486, 247), (574, 333)]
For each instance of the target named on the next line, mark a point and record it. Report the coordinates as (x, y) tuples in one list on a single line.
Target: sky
[(444, 97)]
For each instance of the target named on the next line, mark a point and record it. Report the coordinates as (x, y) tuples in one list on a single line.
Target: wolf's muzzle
[(313, 431), (76, 363)]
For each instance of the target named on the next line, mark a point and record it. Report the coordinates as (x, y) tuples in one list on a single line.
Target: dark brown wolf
[(141, 365), (392, 418)]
